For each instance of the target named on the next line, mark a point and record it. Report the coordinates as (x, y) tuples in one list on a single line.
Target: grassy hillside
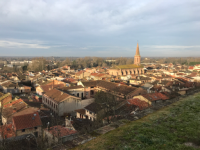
[(167, 129)]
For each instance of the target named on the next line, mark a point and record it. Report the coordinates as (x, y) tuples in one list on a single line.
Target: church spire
[(137, 50), (137, 56)]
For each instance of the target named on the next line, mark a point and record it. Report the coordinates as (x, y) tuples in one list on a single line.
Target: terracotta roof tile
[(47, 88), (191, 67), (155, 96), (61, 131), (7, 131), (14, 102), (57, 95), (26, 120), (137, 102)]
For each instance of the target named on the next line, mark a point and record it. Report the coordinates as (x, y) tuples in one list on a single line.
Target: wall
[(182, 92), (86, 102), (91, 115), (28, 131), (69, 105), (77, 92)]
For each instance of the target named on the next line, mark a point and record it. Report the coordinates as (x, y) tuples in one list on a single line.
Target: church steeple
[(137, 50), (137, 56)]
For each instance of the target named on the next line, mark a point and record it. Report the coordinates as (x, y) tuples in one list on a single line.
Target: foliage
[(108, 103)]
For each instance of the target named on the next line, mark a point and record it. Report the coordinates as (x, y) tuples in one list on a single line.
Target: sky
[(101, 28)]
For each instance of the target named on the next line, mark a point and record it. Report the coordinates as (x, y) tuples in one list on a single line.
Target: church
[(136, 68)]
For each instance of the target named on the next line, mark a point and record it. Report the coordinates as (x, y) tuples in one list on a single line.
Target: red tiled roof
[(162, 96), (180, 74), (57, 95), (69, 80), (47, 88), (155, 96), (188, 84), (7, 131), (26, 120), (14, 102), (97, 74), (61, 131), (80, 72), (191, 67), (137, 102), (194, 74)]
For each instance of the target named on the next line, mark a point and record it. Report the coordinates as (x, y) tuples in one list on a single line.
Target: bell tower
[(137, 56)]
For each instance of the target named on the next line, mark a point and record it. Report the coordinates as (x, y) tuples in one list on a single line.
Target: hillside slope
[(174, 127)]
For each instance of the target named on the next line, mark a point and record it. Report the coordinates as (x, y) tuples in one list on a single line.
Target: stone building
[(136, 68)]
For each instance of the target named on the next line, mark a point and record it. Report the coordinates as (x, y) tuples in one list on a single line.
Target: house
[(80, 113), (6, 131), (12, 87), (92, 110), (142, 98), (155, 97), (147, 86), (27, 121), (74, 90), (126, 77), (59, 134), (78, 91), (45, 88), (82, 74), (98, 76), (191, 68), (10, 109), (69, 81), (139, 79), (121, 91), (156, 88), (5, 98), (137, 104), (60, 102)]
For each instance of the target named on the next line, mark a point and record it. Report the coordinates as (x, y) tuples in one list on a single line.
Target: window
[(35, 128), (86, 93), (90, 112), (23, 130), (54, 106)]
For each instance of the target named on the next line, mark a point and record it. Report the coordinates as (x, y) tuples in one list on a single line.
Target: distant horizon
[(97, 56)]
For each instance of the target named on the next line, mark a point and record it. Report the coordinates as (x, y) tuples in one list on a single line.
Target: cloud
[(171, 46), (10, 44), (84, 27)]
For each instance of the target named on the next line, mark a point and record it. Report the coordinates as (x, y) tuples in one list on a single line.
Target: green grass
[(194, 63), (166, 129)]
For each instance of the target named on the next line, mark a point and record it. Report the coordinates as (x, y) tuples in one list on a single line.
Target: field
[(175, 127)]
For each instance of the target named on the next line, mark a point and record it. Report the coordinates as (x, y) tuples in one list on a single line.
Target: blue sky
[(164, 28)]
